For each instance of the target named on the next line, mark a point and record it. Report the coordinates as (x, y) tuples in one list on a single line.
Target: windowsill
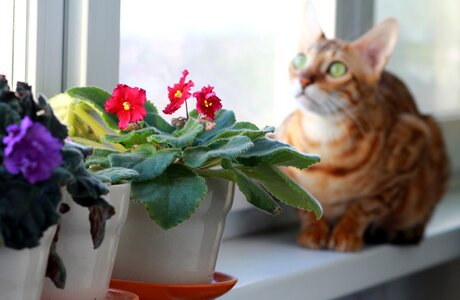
[(271, 265)]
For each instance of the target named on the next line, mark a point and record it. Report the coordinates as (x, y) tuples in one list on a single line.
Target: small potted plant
[(186, 173), (37, 168)]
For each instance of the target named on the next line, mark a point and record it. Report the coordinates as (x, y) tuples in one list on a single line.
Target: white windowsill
[(272, 266)]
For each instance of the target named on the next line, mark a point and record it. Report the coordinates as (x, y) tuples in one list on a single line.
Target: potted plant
[(36, 166), (186, 173), (88, 265)]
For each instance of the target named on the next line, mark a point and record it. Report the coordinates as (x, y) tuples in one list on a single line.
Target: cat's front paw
[(313, 238), (345, 241)]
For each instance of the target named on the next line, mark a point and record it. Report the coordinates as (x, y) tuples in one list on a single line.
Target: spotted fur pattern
[(383, 164)]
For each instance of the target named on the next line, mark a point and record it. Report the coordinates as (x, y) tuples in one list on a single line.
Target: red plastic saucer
[(221, 284), (114, 294)]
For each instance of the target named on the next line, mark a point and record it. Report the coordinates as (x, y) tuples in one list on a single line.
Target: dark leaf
[(26, 211), (49, 120), (99, 213), (55, 269)]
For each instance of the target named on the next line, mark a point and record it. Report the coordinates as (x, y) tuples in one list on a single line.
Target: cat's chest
[(333, 139), (349, 157)]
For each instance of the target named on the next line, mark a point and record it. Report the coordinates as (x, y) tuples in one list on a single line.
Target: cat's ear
[(311, 31), (377, 44)]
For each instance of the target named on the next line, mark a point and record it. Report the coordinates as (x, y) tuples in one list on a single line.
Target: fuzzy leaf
[(254, 192), (149, 164), (154, 119), (240, 128), (276, 153), (26, 211), (282, 187), (228, 148), (135, 137), (223, 119), (7, 116), (117, 174), (171, 198), (180, 138), (99, 158)]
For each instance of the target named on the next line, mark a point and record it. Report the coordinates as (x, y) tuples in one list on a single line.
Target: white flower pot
[(185, 254), (22, 271), (88, 270)]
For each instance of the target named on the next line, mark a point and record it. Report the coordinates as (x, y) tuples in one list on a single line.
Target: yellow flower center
[(207, 104), (178, 94), (126, 105)]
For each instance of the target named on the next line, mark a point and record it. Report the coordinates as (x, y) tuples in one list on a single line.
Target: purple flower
[(31, 150)]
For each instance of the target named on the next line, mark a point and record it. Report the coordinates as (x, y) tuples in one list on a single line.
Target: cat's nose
[(305, 81)]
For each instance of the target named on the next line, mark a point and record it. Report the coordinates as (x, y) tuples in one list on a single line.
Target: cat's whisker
[(348, 113)]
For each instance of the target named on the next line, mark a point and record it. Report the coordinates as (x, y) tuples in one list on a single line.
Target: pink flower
[(128, 104), (207, 102), (178, 94)]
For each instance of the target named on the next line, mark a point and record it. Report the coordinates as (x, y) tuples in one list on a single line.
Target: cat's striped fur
[(383, 164)]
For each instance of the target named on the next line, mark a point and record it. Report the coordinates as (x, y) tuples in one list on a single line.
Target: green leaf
[(154, 119), (276, 153), (223, 119), (254, 192), (155, 164), (95, 98), (99, 158), (117, 174), (173, 197), (229, 148), (148, 163), (180, 138), (282, 187), (85, 123), (135, 137), (241, 128)]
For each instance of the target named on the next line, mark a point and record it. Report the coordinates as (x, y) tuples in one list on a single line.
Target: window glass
[(242, 47), (6, 33), (427, 56)]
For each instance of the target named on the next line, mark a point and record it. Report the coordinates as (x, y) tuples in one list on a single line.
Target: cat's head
[(330, 77)]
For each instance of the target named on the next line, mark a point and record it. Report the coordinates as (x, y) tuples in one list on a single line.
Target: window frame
[(77, 43)]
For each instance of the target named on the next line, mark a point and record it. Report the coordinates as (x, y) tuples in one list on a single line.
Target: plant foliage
[(173, 162)]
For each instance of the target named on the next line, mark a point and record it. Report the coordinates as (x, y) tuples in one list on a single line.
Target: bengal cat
[(383, 164)]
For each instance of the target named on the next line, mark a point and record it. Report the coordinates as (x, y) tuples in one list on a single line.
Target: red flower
[(178, 94), (128, 104), (207, 102)]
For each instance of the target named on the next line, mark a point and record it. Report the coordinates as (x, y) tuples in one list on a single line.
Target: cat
[(383, 164)]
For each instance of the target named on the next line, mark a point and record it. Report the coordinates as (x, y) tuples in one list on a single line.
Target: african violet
[(35, 163), (174, 160)]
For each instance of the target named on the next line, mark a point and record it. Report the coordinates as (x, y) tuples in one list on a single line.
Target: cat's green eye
[(299, 61), (337, 69)]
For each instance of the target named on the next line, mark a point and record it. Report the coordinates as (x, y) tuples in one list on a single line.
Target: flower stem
[(186, 109)]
